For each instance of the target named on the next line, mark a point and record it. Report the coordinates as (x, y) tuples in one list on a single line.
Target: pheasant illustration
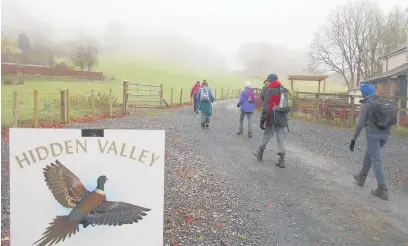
[(88, 208)]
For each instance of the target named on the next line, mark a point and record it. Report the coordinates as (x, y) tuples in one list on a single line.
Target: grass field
[(137, 71)]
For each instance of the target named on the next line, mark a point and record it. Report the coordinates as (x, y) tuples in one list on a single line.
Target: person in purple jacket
[(247, 105)]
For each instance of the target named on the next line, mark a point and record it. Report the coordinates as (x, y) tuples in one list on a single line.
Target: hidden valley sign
[(72, 188)]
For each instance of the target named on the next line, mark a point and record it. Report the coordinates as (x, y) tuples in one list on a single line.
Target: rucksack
[(204, 95), (383, 113), (195, 91), (284, 101), (251, 96)]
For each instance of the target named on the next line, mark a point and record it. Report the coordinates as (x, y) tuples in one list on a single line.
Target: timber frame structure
[(318, 78)]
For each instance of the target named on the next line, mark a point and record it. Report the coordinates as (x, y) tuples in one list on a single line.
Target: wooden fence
[(335, 106), (152, 96)]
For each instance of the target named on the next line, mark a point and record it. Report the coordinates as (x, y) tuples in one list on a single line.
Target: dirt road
[(233, 199)]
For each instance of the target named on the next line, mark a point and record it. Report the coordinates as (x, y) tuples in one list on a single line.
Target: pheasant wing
[(64, 185), (116, 214)]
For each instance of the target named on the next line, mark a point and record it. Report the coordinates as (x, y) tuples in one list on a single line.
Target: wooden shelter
[(318, 78)]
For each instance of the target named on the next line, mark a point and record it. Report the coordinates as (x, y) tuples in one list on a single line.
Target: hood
[(367, 90), (274, 84)]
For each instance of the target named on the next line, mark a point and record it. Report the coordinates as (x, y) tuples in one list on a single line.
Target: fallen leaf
[(270, 206), (201, 238), (189, 220), (378, 228), (242, 237), (6, 238), (176, 244)]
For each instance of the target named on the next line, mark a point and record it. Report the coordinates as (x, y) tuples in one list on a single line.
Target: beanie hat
[(272, 77), (367, 90)]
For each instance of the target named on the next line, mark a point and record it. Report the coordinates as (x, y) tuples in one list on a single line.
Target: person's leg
[(195, 104), (241, 123), (268, 133), (374, 142), (362, 175), (203, 119), (249, 116), (207, 120), (280, 133)]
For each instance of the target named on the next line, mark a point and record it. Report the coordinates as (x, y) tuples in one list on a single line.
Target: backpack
[(251, 96), (284, 101), (195, 91), (383, 113), (204, 96)]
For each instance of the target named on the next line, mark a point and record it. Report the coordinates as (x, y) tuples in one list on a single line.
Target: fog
[(205, 34)]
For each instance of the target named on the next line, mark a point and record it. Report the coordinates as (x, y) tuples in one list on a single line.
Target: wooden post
[(317, 113), (171, 97), (92, 102), (161, 95), (227, 92), (398, 103), (351, 113), (63, 106), (16, 107), (125, 91), (222, 93), (181, 96), (35, 116), (215, 93), (110, 103), (291, 84), (68, 107)]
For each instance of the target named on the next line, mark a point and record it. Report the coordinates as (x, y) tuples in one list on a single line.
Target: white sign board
[(108, 189)]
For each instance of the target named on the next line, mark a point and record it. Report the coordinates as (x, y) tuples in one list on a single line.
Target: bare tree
[(78, 57), (91, 59), (354, 39)]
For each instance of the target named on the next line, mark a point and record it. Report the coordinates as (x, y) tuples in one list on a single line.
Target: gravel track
[(217, 193)]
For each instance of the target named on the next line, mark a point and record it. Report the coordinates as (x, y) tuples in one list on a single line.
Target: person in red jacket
[(193, 94), (273, 121)]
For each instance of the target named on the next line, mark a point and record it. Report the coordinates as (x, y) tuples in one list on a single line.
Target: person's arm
[(241, 98), (211, 95), (265, 105), (361, 120), (263, 90)]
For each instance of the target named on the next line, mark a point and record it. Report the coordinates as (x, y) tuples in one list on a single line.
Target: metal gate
[(142, 95)]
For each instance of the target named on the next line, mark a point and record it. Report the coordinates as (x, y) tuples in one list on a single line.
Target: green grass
[(136, 70)]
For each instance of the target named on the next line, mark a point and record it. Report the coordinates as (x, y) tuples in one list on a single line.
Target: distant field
[(144, 72)]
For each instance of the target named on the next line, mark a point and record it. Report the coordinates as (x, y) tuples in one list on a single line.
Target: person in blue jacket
[(205, 99)]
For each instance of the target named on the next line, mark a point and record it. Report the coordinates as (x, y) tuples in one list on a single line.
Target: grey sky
[(225, 24)]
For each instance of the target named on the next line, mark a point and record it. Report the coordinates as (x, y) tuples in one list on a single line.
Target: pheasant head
[(101, 183)]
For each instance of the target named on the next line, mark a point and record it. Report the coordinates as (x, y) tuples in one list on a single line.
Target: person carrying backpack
[(193, 94), (205, 99), (274, 118), (377, 116), (247, 104)]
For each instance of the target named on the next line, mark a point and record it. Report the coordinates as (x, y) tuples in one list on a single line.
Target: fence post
[(35, 116), (63, 106), (398, 110), (16, 106), (227, 93), (351, 117), (68, 107), (161, 95), (181, 96), (317, 113), (215, 93), (171, 97), (92, 102), (125, 90), (222, 93), (110, 103)]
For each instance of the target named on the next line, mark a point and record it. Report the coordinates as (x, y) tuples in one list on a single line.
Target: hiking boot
[(381, 192), (250, 134), (281, 161), (239, 133), (259, 154), (207, 125), (360, 179)]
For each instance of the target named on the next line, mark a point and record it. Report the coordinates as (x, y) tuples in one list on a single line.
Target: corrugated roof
[(391, 73)]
